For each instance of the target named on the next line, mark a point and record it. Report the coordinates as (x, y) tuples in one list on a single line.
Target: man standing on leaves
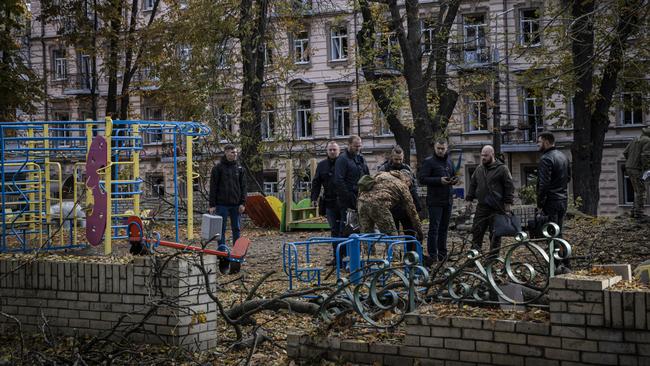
[(492, 185), (552, 179), (637, 161), (350, 166), (437, 173), (228, 192), (324, 177)]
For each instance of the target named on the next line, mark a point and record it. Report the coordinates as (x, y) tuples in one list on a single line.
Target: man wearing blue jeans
[(228, 192), (437, 173)]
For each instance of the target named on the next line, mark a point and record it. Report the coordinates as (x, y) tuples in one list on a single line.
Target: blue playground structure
[(298, 265), (34, 156)]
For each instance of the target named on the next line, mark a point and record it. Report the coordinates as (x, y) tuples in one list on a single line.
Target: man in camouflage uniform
[(389, 191)]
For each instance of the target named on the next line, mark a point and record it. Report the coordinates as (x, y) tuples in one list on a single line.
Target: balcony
[(522, 137), (471, 58)]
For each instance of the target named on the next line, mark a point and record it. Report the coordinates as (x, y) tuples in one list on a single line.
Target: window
[(268, 55), (184, 52), (339, 43), (529, 175), (268, 122), (632, 108), (533, 121), (303, 119), (61, 129), (476, 50), (478, 113), (270, 182), (60, 65), (222, 56), (85, 77), (156, 184), (427, 35), (147, 4), (388, 52), (383, 129), (529, 27), (341, 109), (224, 118), (301, 48), (153, 134)]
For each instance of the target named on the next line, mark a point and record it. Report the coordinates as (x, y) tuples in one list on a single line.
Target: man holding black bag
[(327, 205), (492, 185)]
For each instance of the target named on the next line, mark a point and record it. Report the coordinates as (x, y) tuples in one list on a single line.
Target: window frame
[(472, 102), (59, 65), (341, 117), (147, 5), (633, 110), (301, 48), (479, 51), (304, 124), (625, 187), (267, 127), (148, 137), (528, 23), (342, 40), (538, 126)]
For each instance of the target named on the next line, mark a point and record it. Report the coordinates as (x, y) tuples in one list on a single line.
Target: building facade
[(322, 97)]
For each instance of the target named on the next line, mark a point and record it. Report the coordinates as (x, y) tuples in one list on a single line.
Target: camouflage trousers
[(639, 192), (374, 213)]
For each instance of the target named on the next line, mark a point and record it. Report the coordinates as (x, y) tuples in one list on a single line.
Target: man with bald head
[(491, 184)]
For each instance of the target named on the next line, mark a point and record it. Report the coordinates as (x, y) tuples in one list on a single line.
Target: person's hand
[(241, 209), (454, 180), (211, 210), (445, 180), (508, 207)]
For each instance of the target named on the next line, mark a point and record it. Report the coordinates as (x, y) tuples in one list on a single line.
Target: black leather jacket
[(348, 169), (324, 178), (553, 174)]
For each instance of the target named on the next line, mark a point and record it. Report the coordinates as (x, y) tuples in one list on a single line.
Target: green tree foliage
[(19, 86)]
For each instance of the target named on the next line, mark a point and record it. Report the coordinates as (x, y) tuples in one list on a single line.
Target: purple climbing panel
[(96, 221)]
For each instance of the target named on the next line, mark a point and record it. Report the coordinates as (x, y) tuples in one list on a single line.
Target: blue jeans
[(233, 213), (438, 226), (336, 225)]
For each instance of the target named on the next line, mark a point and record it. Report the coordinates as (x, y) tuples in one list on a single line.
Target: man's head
[(545, 141), (231, 152), (440, 147), (354, 144), (396, 156), (332, 149), (487, 155)]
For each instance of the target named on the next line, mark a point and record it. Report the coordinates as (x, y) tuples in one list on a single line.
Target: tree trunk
[(592, 118), (252, 38), (112, 62)]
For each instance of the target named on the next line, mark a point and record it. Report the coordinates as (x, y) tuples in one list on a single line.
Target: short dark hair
[(548, 136), (397, 150), (352, 138), (441, 141), (229, 147), (330, 142)]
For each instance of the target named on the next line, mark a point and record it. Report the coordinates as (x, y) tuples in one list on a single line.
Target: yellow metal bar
[(74, 199), (136, 170), (48, 186), (189, 183), (60, 198), (288, 194), (89, 141), (108, 234)]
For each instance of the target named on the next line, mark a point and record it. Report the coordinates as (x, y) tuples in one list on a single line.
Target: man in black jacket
[(396, 163), (492, 185), (324, 177), (437, 173), (228, 192), (350, 166), (552, 179)]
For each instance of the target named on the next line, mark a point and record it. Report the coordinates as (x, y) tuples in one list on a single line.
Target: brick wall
[(91, 297), (589, 325)]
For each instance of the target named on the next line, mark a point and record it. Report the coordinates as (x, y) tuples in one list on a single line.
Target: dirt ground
[(594, 241)]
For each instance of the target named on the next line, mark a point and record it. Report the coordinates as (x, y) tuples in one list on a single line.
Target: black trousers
[(483, 219), (556, 210)]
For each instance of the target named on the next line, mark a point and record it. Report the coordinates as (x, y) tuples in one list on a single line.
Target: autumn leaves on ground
[(594, 241)]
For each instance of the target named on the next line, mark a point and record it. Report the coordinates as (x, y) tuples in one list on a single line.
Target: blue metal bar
[(176, 189)]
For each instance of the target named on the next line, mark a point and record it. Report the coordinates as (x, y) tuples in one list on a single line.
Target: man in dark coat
[(437, 173), (228, 192), (552, 179), (396, 163), (324, 177), (491, 184), (350, 166), (637, 161)]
